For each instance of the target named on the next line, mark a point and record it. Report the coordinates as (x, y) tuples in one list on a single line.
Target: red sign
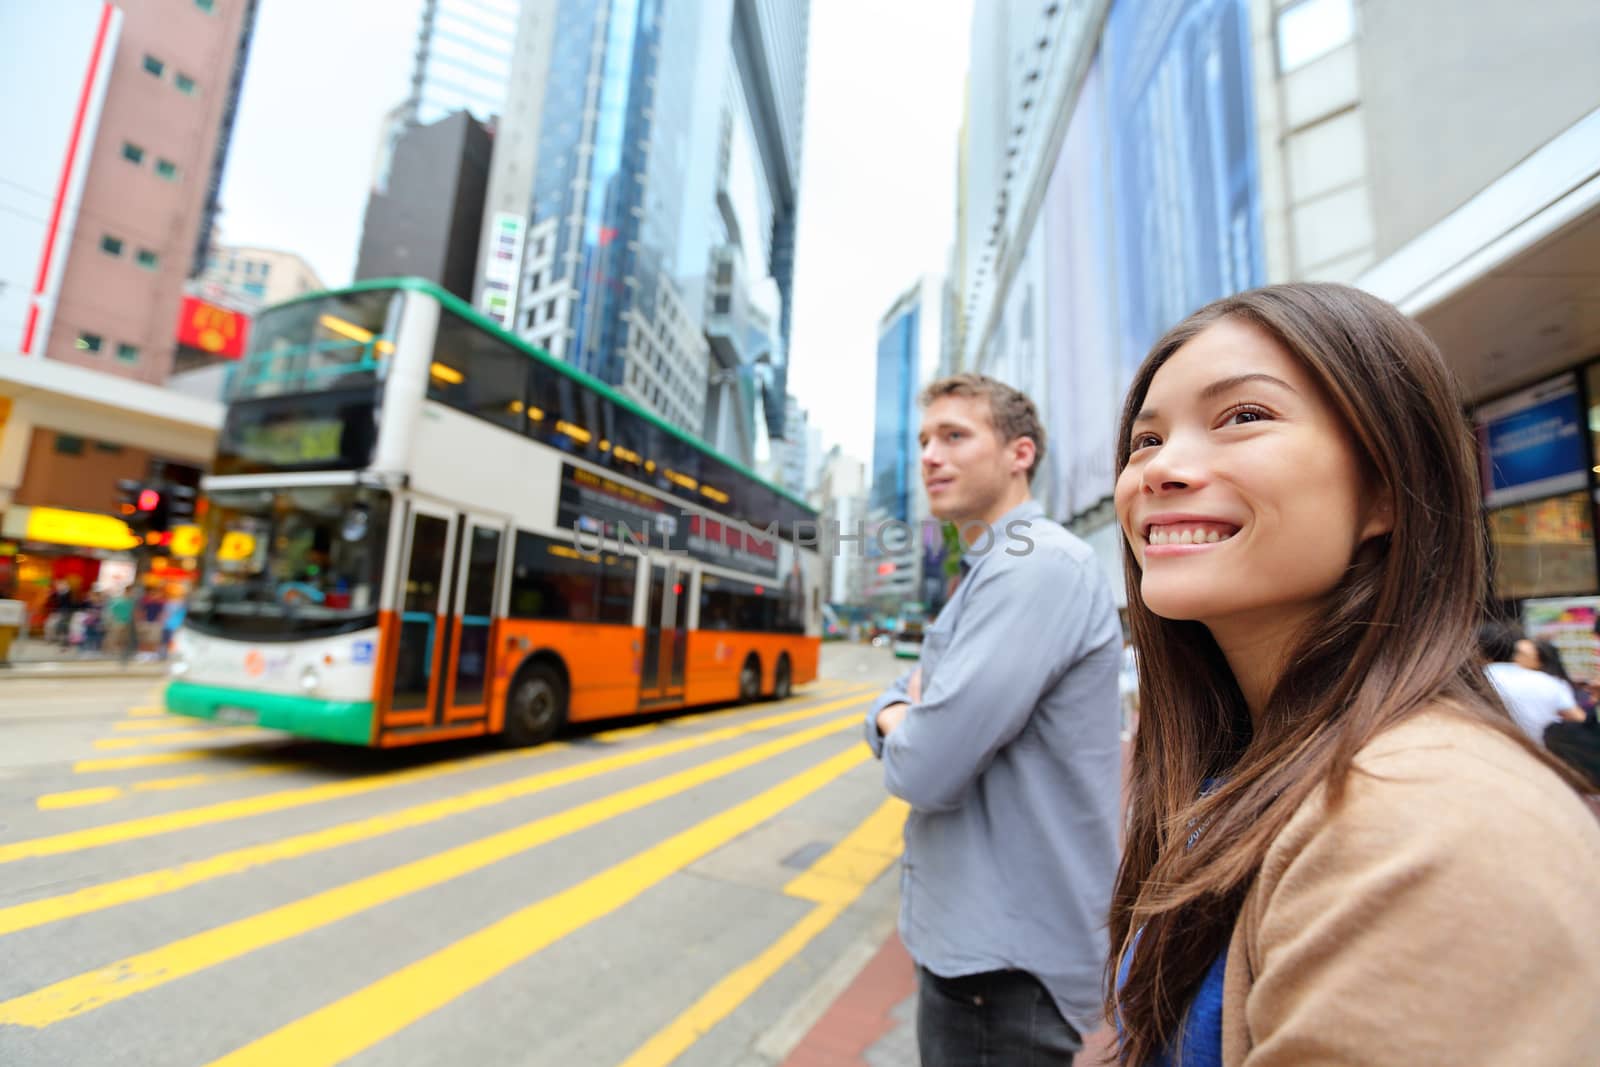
[(211, 328)]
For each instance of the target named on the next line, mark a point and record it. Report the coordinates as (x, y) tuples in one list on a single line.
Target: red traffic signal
[(149, 499)]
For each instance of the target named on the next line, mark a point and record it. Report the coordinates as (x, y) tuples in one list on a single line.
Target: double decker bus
[(419, 528)]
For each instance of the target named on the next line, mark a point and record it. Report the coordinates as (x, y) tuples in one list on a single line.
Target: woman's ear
[(1380, 516)]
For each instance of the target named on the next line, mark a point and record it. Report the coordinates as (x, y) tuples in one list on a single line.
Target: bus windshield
[(291, 562), (313, 345)]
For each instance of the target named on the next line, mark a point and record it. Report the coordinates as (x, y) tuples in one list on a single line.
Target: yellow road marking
[(146, 712), (158, 759), (180, 737), (154, 883), (78, 798), (136, 974), (834, 882), (358, 1021), (141, 725)]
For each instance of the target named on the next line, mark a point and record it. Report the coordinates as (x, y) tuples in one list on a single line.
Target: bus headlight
[(309, 679)]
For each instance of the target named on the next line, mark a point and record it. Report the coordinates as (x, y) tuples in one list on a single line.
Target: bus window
[(553, 580), (313, 345), (476, 372)]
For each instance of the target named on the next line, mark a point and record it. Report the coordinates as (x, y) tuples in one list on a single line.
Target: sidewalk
[(40, 659), (873, 1022)]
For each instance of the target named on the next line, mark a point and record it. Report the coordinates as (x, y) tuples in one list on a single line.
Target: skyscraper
[(463, 59), (659, 252)]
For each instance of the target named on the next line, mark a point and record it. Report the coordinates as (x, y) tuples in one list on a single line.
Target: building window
[(132, 152), (68, 445), (167, 169), (111, 246), (185, 84), (128, 353), (148, 259), (537, 278), (720, 305), (154, 66), (89, 342), (108, 448), (1310, 29), (550, 311)]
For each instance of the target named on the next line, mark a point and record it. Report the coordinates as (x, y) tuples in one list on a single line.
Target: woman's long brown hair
[(1396, 637)]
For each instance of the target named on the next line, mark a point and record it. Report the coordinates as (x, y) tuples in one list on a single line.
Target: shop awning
[(1508, 284)]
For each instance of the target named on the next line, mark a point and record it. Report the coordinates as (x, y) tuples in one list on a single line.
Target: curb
[(37, 671)]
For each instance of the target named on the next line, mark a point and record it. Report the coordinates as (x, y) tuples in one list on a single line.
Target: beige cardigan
[(1446, 914)]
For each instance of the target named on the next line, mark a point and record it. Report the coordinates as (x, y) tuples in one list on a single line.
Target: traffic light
[(128, 497), (180, 505), (150, 510)]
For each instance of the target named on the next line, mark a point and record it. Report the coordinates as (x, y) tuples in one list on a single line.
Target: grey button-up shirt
[(1011, 763)]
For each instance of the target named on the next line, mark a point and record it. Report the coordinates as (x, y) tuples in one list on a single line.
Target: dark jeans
[(997, 1019)]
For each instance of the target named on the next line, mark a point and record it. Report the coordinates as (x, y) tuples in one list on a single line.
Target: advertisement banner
[(502, 266), (1531, 443), (1085, 386), (600, 509), (212, 329), (1567, 623), (1187, 198)]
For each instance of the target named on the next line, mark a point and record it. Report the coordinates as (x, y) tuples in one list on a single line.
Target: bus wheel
[(782, 685), (536, 706), (750, 679)]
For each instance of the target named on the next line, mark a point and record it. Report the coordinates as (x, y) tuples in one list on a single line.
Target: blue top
[(1200, 1040), (1012, 765)]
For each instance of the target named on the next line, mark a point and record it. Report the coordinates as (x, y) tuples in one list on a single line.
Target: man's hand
[(895, 714), (890, 717)]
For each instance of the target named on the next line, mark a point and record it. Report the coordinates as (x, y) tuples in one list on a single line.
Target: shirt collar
[(1028, 510)]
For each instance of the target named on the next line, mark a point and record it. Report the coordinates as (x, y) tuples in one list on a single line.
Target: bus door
[(666, 635), (480, 561), (422, 597)]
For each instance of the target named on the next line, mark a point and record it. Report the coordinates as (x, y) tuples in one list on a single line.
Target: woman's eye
[(1145, 440), (1245, 416)]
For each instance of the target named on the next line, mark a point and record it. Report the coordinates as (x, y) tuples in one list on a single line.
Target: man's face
[(966, 468)]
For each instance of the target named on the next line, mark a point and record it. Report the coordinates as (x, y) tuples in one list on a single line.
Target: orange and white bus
[(418, 527)]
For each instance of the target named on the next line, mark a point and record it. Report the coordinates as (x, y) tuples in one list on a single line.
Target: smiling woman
[(1298, 494)]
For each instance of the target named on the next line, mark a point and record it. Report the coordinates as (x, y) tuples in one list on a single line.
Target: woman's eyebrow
[(1216, 389)]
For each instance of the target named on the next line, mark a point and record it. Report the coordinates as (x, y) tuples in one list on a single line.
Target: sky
[(877, 192)]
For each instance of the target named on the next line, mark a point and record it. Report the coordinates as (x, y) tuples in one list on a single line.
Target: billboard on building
[(56, 57), (214, 330), (1531, 443), (502, 266), (1186, 197)]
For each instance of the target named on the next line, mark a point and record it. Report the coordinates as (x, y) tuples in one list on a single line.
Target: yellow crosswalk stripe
[(136, 974), (143, 725), (161, 759), (78, 798), (154, 883), (362, 1019), (835, 882), (177, 738)]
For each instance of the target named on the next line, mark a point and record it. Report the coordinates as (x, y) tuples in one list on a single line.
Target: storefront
[(67, 436), (1508, 286)]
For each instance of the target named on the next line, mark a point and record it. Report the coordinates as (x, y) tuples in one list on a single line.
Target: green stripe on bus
[(346, 721)]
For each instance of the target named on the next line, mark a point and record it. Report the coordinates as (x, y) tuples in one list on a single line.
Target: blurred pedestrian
[(1536, 700), (1004, 741), (121, 631), (1341, 850)]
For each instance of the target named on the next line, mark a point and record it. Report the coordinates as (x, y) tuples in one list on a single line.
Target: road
[(678, 891)]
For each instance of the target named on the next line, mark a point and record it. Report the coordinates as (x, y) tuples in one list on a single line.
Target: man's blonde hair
[(1011, 413)]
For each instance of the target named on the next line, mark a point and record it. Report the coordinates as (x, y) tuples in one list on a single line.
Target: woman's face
[(1243, 497), (1527, 655)]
